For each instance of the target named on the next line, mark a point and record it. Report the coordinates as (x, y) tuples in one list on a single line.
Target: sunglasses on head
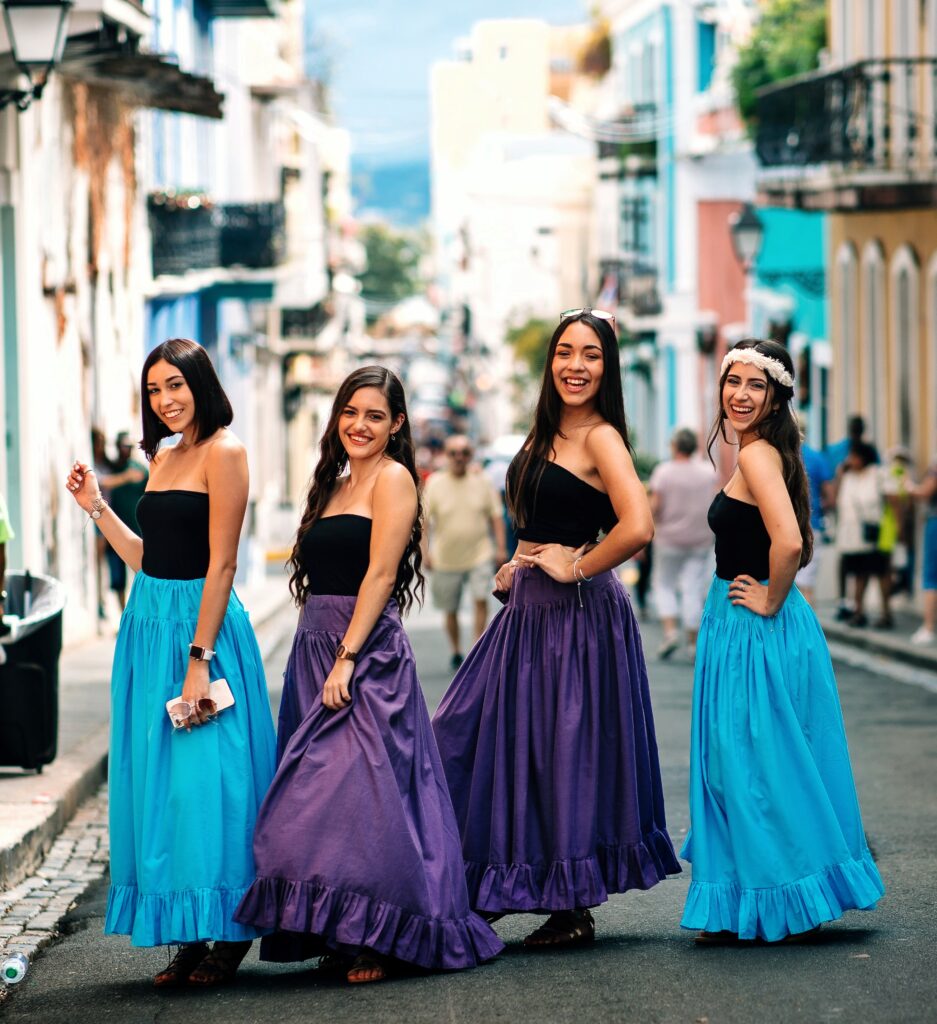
[(599, 314)]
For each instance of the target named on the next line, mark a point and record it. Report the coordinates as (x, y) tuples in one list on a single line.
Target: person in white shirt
[(682, 490)]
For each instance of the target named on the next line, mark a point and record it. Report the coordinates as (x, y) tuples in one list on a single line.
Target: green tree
[(530, 342), (786, 41), (392, 272)]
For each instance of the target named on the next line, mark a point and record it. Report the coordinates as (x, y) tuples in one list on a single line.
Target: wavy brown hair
[(779, 428), (333, 460), (523, 477)]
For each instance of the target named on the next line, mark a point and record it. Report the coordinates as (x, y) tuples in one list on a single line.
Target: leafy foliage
[(393, 266), (530, 342), (786, 42)]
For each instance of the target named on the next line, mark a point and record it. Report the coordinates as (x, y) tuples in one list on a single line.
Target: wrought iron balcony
[(873, 121), (304, 325), (252, 234), (185, 231), (638, 285)]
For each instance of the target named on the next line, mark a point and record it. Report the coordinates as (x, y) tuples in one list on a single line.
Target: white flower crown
[(773, 367)]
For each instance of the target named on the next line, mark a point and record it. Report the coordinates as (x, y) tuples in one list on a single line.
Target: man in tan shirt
[(462, 512)]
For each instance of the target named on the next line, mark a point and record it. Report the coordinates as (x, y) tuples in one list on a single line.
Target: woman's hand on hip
[(504, 577), (336, 693), (556, 560), (749, 593)]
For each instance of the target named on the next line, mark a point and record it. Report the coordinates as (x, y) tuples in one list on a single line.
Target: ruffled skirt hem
[(567, 884), (350, 921), (188, 915), (799, 906)]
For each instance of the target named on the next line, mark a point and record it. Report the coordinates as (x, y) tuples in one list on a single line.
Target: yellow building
[(858, 139)]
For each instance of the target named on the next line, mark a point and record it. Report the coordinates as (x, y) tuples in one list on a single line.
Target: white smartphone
[(218, 691)]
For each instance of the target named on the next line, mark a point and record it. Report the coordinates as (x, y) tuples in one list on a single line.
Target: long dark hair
[(212, 408), (779, 428), (525, 470), (333, 459)]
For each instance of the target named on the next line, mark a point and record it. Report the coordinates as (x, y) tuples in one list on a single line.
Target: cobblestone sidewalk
[(30, 912)]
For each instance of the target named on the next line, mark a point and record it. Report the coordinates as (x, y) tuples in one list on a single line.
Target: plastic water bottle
[(14, 968)]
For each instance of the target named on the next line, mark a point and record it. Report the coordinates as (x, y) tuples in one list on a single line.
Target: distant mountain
[(397, 192)]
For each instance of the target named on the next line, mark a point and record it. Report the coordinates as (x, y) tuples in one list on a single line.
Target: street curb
[(885, 647), (88, 763)]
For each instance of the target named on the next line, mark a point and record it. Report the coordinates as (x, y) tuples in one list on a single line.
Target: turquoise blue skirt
[(183, 804), (776, 837)]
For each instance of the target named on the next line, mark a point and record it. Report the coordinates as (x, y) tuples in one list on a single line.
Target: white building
[(121, 227), (511, 198)]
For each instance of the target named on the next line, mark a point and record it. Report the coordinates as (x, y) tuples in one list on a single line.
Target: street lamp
[(36, 31), (747, 233)]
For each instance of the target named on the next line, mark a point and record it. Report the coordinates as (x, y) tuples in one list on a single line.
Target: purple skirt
[(548, 744), (356, 844)]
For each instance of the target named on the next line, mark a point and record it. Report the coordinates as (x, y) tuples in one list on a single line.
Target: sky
[(377, 55)]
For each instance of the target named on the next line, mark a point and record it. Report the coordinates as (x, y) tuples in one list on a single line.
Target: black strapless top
[(335, 553), (742, 541), (565, 509), (174, 528)]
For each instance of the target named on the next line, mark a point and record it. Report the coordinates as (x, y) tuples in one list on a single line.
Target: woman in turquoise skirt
[(184, 792), (776, 837)]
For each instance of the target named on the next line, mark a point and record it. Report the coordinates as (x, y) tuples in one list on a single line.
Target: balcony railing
[(186, 233), (638, 285), (253, 234), (873, 115), (304, 325)]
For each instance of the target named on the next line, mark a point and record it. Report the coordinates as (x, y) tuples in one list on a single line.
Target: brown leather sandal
[(371, 963), (563, 929), (177, 971), (220, 966)]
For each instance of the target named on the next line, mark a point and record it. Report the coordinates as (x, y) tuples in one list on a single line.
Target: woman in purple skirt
[(546, 732), (356, 844)]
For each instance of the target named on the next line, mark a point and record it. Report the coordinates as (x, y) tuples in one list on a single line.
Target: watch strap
[(197, 653), (343, 654)]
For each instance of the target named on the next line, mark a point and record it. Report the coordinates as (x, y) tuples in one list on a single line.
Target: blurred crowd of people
[(864, 514), (865, 509)]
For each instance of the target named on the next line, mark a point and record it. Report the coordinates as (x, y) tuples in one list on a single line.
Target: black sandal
[(334, 964), (220, 966), (563, 929), (368, 960), (177, 971)]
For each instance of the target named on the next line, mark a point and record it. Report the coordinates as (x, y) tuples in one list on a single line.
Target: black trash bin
[(29, 678)]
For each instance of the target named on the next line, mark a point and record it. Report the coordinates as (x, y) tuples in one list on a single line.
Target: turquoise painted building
[(790, 303)]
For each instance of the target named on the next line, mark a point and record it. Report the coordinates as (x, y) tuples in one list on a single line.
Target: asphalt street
[(869, 967)]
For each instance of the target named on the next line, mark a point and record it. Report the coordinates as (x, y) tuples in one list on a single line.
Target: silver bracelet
[(578, 573)]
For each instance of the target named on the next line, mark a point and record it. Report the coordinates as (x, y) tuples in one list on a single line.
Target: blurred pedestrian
[(102, 467), (776, 838), (6, 535), (356, 844), (125, 483), (926, 491), (546, 733), (681, 490), (184, 789), (897, 534), (836, 455), (860, 505), (822, 498), (463, 514)]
